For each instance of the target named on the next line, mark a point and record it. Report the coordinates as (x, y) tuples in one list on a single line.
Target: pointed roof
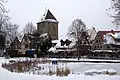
[(48, 17), (16, 39), (93, 33)]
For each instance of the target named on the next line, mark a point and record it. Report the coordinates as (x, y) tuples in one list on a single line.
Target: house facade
[(48, 24), (92, 34), (25, 44), (107, 40), (33, 42), (14, 48)]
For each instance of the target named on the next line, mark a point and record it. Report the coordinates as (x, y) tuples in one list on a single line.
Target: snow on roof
[(49, 20), (116, 35), (71, 44), (44, 16), (48, 17), (44, 35), (89, 31), (109, 38), (92, 32), (58, 45), (62, 37), (52, 49), (55, 41)]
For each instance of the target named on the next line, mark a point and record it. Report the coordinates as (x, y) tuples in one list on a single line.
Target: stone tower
[(48, 24)]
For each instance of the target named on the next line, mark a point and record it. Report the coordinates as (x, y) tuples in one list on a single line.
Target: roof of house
[(102, 33), (110, 37), (92, 32), (16, 40), (48, 17), (59, 47)]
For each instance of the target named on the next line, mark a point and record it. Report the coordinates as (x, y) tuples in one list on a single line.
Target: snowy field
[(79, 71), (82, 67)]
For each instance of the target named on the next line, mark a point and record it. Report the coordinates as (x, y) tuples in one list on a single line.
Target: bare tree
[(9, 28), (11, 31), (78, 31), (116, 12), (4, 19), (29, 28), (2, 8)]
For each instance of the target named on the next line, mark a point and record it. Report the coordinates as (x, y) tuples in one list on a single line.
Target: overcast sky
[(92, 12)]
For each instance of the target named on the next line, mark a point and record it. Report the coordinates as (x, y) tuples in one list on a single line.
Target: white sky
[(92, 12)]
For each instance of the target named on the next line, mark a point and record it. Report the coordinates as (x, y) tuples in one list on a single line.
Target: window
[(85, 43), (99, 41), (108, 47), (90, 42), (96, 41), (8, 42), (26, 45), (95, 47), (98, 47)]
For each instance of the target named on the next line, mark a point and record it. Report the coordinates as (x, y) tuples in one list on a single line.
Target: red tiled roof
[(105, 32)]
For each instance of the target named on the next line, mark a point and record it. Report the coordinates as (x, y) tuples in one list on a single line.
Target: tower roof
[(48, 17)]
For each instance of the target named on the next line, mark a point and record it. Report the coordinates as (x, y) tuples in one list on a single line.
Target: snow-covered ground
[(80, 68)]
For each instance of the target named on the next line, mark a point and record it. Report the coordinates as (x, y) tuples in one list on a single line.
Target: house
[(30, 41), (35, 44), (48, 24), (25, 44), (73, 48), (14, 48), (92, 34), (107, 40), (62, 48)]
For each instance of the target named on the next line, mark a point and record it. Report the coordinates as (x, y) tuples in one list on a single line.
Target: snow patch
[(102, 71), (52, 49)]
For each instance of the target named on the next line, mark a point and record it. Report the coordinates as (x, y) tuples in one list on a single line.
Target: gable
[(15, 44), (48, 17)]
